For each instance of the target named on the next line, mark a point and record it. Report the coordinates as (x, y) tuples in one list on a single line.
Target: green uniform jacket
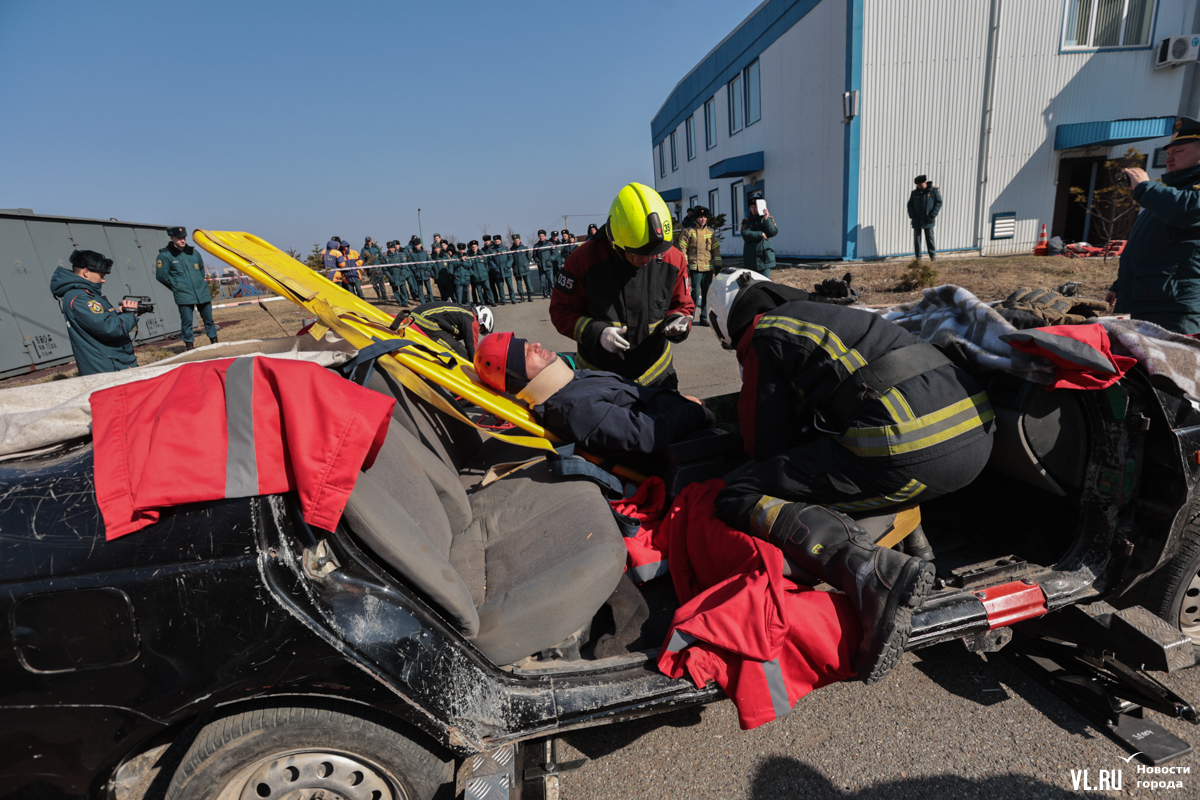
[(519, 255), (923, 206), (460, 270), (183, 272), (543, 254), (502, 261), (101, 337), (757, 253), (1160, 265), (479, 267)]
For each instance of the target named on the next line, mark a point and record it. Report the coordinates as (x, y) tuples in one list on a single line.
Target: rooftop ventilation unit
[(1176, 50)]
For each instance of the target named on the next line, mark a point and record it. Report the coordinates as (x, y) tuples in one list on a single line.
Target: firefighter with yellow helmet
[(623, 296)]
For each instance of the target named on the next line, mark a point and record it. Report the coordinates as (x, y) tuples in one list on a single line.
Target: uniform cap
[(541, 232), (91, 260), (1185, 129), (178, 232), (920, 179), (700, 211), (474, 242)]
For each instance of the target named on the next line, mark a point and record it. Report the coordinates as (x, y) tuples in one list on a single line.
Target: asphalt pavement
[(945, 724)]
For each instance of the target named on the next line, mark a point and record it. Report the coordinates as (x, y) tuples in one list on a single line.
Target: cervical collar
[(548, 381)]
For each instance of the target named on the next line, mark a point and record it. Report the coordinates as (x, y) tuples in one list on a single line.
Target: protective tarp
[(40, 417)]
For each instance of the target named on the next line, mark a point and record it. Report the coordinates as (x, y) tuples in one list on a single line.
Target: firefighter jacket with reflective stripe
[(702, 248), (453, 325), (245, 426), (795, 357), (765, 641), (646, 549), (612, 417), (598, 288)]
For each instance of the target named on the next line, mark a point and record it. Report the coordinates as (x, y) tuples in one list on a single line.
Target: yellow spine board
[(362, 324)]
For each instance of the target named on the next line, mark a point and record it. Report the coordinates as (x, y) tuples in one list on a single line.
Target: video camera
[(144, 304)]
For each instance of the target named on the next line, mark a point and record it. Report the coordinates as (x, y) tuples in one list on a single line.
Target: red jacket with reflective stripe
[(648, 548), (766, 641), (233, 428)]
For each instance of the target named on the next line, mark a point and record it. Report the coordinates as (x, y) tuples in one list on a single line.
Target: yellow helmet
[(639, 221)]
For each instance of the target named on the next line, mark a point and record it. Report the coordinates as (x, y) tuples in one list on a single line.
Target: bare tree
[(1112, 206)]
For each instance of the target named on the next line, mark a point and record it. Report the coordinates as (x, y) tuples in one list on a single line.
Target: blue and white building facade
[(831, 107)]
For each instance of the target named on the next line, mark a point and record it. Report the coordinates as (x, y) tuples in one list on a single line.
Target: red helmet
[(499, 358)]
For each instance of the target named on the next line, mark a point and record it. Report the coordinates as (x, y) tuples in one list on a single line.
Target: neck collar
[(550, 380)]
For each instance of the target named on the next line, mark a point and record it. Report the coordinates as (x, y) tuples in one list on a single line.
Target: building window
[(662, 165), (738, 190), (693, 201), (753, 101), (690, 127), (1096, 24), (710, 124), (714, 202), (674, 153), (736, 101)]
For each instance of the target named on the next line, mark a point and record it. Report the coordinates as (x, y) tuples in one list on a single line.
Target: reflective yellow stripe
[(763, 516), (926, 431), (897, 407), (826, 339), (657, 368), (655, 326), (908, 492), (580, 324)]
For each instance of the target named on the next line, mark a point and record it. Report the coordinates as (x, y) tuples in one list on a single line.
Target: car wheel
[(1173, 592), (319, 750)]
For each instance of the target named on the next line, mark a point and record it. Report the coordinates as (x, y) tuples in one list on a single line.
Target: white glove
[(612, 340), (677, 325)]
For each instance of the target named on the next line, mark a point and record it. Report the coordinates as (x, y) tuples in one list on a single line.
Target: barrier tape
[(531, 249), (250, 302)]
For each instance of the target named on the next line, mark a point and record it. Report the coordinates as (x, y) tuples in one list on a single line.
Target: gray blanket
[(970, 332)]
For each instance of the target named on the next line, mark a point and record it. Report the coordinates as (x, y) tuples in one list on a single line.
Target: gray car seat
[(516, 566)]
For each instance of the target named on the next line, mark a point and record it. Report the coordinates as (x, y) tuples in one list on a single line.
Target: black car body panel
[(117, 645)]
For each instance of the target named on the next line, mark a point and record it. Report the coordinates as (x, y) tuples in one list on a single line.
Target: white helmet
[(487, 322), (725, 288)]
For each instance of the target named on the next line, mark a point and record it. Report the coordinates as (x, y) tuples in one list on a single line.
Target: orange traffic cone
[(1043, 245)]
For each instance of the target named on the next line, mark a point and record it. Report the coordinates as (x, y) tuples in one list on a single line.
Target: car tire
[(306, 750), (1173, 592)]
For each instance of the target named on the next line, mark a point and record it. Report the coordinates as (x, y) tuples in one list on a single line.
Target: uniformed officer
[(420, 271), (180, 267), (101, 336), (520, 255), (1159, 276), (556, 258), (924, 204), (702, 248), (542, 255), (480, 293), (372, 259), (758, 230), (461, 272)]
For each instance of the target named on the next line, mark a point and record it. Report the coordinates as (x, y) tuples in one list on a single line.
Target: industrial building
[(33, 333), (832, 107)]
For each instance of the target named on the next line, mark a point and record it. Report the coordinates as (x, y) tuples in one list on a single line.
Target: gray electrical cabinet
[(33, 334)]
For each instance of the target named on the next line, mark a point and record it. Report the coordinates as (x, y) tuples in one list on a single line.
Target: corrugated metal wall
[(1037, 89), (924, 70), (33, 333), (924, 63)]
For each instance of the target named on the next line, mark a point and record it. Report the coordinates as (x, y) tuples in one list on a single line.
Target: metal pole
[(420, 233)]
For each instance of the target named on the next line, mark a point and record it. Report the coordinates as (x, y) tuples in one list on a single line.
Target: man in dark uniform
[(542, 256), (843, 408), (556, 258), (623, 296), (181, 268), (477, 261), (520, 255), (420, 271), (923, 206), (1159, 276), (101, 336), (608, 415), (758, 230), (500, 270)]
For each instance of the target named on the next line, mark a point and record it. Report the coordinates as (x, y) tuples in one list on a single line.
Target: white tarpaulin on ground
[(38, 417)]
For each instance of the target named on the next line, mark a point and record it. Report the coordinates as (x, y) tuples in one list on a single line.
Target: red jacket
[(598, 287), (648, 548), (766, 641), (233, 428)]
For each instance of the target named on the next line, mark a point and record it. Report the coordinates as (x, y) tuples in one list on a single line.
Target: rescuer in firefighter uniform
[(101, 336), (623, 295), (843, 408), (455, 326)]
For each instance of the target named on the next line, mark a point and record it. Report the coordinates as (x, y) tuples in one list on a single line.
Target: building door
[(1072, 220)]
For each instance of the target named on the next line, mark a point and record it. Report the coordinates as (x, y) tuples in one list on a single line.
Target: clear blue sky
[(300, 120)]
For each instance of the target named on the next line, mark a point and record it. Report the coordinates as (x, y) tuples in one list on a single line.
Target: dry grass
[(991, 278)]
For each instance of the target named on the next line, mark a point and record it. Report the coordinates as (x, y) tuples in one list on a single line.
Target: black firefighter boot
[(885, 586)]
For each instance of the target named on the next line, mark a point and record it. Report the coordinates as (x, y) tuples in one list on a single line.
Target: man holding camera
[(181, 268), (101, 336), (1159, 276), (758, 230)]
